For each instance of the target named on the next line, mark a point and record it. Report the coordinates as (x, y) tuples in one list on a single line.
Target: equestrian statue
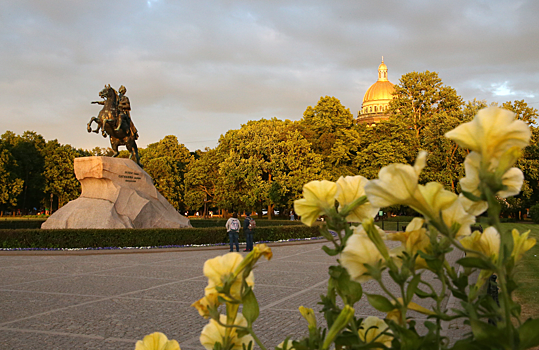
[(114, 119)]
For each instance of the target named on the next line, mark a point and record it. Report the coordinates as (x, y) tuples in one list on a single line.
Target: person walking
[(233, 228), (249, 225)]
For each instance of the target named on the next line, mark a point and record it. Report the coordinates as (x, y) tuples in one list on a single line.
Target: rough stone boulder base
[(116, 193)]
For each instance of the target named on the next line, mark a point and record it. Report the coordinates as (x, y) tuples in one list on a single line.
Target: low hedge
[(20, 224), (198, 223), (95, 238)]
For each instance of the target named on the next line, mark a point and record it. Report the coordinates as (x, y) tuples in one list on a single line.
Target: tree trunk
[(270, 211), (270, 206)]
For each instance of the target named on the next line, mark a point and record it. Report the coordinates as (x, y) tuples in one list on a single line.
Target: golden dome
[(381, 90), (377, 97)]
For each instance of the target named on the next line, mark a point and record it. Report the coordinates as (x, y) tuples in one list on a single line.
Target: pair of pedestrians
[(233, 229)]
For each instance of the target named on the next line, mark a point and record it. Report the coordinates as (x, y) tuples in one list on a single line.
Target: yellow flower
[(414, 239), (512, 179), (288, 345), (308, 314), (360, 230), (213, 332), (397, 184), (221, 268), (491, 133), (487, 242), (157, 341), (319, 197), (521, 244), (260, 250), (349, 189), (359, 250), (415, 225), (396, 315), (456, 214), (372, 327), (437, 198), (203, 305)]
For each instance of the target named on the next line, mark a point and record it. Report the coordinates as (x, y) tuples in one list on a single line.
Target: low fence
[(392, 225)]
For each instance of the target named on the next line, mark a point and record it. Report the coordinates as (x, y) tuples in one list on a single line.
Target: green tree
[(528, 163), (331, 130), (259, 154), (59, 172), (101, 151), (429, 109), (201, 179), (421, 96), (388, 142), (166, 162), (27, 149), (522, 110), (10, 185)]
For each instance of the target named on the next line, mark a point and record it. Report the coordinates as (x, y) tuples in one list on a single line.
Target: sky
[(196, 69)]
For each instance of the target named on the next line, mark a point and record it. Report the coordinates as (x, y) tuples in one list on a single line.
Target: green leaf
[(489, 335), (380, 303), (349, 290), (471, 196), (423, 294), (329, 251), (412, 287), (529, 334), (476, 262), (250, 307)]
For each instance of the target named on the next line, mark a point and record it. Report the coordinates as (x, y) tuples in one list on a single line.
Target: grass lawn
[(527, 274)]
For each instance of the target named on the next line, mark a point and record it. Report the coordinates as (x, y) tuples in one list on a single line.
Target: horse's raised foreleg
[(89, 126)]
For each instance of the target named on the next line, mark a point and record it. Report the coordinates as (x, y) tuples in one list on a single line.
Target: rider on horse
[(124, 107)]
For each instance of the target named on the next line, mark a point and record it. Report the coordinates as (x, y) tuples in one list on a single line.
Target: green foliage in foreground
[(527, 275), (94, 238)]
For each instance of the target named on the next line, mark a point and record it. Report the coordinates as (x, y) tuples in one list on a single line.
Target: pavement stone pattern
[(109, 301)]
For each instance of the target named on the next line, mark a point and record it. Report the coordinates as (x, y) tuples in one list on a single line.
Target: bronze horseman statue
[(114, 119)]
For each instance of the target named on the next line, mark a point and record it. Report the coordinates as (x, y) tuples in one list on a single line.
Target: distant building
[(376, 99)]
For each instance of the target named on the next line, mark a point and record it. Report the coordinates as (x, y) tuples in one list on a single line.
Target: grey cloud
[(203, 67)]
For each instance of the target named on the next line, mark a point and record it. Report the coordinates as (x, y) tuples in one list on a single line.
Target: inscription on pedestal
[(130, 176)]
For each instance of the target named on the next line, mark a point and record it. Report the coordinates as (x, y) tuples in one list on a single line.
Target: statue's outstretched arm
[(99, 102)]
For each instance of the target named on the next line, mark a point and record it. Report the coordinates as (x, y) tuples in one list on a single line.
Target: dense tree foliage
[(333, 134), (58, 172), (264, 164), (10, 185), (257, 156), (167, 162)]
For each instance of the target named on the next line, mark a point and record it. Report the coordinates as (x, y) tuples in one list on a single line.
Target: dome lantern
[(382, 71)]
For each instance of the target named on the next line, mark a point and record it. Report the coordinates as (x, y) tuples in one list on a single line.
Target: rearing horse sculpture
[(107, 121)]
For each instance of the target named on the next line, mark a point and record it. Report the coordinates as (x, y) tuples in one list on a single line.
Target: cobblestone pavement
[(109, 301)]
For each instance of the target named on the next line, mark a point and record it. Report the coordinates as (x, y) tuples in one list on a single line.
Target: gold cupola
[(376, 99)]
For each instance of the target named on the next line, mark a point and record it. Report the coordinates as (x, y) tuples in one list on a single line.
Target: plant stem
[(252, 333)]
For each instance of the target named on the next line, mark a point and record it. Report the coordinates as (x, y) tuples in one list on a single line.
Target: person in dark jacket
[(248, 233)]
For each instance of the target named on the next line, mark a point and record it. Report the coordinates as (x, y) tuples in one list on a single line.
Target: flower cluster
[(495, 139)]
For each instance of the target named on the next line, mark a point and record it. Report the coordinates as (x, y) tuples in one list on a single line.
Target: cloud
[(198, 69)]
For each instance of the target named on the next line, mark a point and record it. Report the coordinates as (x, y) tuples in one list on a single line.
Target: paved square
[(109, 301)]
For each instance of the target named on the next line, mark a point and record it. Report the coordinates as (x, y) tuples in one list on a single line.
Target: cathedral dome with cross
[(376, 99)]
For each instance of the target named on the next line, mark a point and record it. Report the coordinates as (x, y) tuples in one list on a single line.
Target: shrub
[(534, 213), (95, 238)]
